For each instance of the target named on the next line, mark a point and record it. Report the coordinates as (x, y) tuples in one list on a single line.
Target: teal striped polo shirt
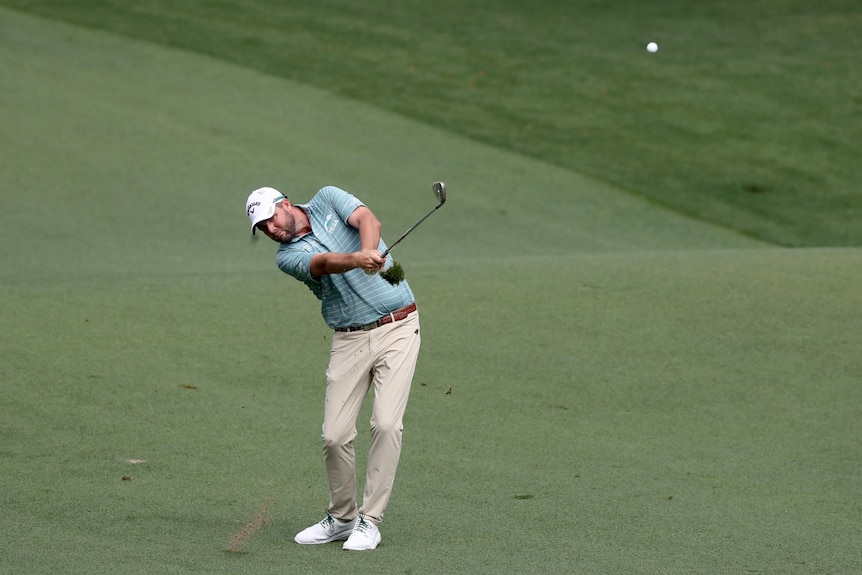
[(348, 299)]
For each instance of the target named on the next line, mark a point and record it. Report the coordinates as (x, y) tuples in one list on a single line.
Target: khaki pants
[(384, 358)]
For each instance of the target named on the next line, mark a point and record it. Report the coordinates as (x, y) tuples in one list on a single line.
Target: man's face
[(281, 227)]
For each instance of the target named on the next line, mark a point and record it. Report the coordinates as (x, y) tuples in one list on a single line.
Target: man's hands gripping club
[(369, 260)]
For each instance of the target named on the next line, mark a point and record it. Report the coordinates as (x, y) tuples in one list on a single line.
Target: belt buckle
[(367, 326)]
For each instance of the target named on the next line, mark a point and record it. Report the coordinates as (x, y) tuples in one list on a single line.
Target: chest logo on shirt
[(330, 223)]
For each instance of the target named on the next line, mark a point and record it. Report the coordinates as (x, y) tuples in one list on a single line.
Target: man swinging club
[(332, 244)]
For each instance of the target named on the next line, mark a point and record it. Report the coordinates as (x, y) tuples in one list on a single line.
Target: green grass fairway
[(606, 386)]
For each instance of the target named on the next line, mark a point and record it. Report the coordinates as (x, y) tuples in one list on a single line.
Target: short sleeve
[(344, 203), (296, 263)]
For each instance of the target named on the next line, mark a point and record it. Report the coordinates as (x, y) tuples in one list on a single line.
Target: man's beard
[(287, 233)]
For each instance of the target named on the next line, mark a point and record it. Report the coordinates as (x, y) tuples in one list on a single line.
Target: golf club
[(439, 189)]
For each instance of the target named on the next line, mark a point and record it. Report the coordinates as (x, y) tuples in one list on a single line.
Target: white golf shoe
[(330, 529), (365, 536)]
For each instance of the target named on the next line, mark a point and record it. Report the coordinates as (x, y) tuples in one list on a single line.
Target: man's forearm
[(369, 227), (369, 232), (333, 263), (338, 263)]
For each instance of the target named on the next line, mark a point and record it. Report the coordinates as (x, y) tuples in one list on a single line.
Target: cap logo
[(250, 208)]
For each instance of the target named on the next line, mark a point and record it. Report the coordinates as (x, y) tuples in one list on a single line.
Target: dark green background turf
[(749, 116), (632, 390)]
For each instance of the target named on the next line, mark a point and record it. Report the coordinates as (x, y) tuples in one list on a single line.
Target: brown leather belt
[(396, 315)]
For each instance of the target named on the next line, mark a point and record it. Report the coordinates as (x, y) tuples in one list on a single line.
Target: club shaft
[(413, 227)]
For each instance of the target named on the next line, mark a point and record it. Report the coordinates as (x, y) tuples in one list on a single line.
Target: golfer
[(332, 244)]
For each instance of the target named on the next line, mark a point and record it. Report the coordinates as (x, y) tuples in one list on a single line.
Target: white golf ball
[(652, 47)]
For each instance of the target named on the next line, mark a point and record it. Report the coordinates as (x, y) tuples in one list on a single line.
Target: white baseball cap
[(261, 205)]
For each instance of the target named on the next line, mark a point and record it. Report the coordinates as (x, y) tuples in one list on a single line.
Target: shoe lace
[(328, 521), (361, 525)]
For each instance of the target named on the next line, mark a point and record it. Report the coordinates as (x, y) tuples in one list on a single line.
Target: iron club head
[(439, 191)]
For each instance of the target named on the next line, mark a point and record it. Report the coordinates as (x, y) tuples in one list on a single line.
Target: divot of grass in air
[(394, 274)]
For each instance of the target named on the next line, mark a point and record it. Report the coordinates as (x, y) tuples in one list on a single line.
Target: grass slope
[(631, 391), (747, 117), (141, 157)]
